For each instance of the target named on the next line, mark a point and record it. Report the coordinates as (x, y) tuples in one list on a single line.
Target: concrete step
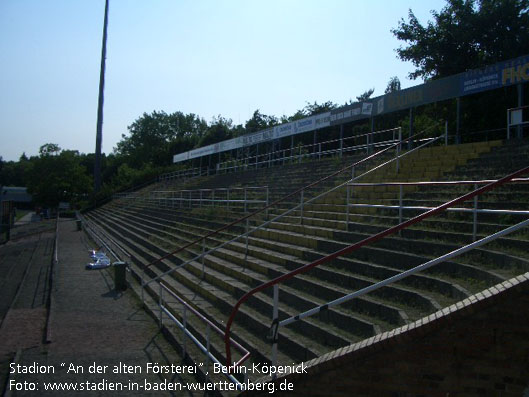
[(214, 280)]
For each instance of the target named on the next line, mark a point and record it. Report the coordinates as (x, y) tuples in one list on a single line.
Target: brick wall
[(477, 347)]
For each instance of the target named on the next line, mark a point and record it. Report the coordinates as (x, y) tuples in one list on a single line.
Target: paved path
[(28, 218), (92, 323)]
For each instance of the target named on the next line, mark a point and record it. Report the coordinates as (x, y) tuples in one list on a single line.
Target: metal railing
[(318, 150), (238, 197), (376, 237), (397, 158), (303, 201), (188, 173), (103, 238), (186, 307), (400, 207)]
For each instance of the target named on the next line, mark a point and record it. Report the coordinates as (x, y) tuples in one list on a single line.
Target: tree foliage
[(152, 137), (366, 95), (465, 34), (55, 178), (393, 85)]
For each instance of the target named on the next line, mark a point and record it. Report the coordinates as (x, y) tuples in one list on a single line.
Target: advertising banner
[(501, 74)]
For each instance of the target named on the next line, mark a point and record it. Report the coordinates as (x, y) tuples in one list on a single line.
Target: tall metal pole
[(99, 130)]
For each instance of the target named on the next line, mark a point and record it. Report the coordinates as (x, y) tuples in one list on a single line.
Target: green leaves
[(466, 34), (58, 177)]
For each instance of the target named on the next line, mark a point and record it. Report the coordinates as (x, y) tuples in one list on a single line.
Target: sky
[(207, 57)]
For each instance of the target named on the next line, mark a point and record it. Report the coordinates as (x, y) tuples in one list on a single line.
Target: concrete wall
[(477, 347)]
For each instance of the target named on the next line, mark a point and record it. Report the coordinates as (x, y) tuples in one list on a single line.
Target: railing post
[(160, 304), (207, 349), (341, 141), (275, 324), (267, 194), (446, 132), (299, 156), (367, 143), (301, 208), (347, 207), (212, 197), (184, 336), (228, 199), (143, 285), (245, 200), (247, 230), (203, 255), (319, 151), (475, 216), (200, 197), (400, 206), (399, 148), (508, 126)]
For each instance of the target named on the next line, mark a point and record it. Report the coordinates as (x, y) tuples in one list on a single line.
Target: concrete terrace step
[(204, 300), (285, 245), (295, 262), (388, 244), (255, 279), (234, 252), (229, 284)]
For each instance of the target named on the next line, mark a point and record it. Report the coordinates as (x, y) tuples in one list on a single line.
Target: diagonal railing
[(303, 202), (300, 191), (353, 247)]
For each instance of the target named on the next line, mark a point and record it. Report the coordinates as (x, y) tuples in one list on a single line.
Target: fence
[(303, 269)]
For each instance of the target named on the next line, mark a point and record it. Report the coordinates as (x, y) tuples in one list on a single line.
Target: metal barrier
[(184, 174), (186, 333), (103, 238), (274, 282), (314, 150), (243, 197), (303, 202), (475, 210), (351, 168)]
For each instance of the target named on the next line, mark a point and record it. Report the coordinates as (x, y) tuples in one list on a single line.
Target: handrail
[(247, 233), (261, 210), (406, 273), (270, 155), (203, 238), (181, 173), (209, 190), (90, 227), (435, 183), (245, 353), (353, 247)]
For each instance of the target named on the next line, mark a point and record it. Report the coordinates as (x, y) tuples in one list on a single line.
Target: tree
[(218, 131), (466, 34), (314, 108), (393, 85), (61, 177), (152, 137), (366, 95), (260, 122), (48, 149)]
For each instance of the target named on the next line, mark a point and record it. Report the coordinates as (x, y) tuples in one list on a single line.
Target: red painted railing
[(360, 244)]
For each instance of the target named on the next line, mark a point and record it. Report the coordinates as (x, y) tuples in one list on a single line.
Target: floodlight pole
[(99, 130)]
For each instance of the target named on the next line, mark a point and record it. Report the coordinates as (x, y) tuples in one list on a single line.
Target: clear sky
[(207, 57)]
